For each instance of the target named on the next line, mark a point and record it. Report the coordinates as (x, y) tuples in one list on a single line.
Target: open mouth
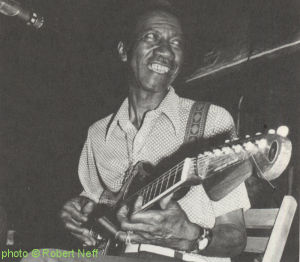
[(158, 68)]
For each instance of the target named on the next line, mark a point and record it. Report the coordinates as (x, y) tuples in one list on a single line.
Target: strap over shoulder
[(196, 122)]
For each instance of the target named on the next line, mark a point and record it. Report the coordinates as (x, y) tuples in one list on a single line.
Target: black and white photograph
[(149, 130)]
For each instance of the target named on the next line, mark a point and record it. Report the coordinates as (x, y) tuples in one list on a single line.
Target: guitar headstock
[(270, 152)]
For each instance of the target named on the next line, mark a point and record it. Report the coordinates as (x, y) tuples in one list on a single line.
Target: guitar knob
[(227, 141), (283, 131), (271, 131), (247, 136), (258, 134)]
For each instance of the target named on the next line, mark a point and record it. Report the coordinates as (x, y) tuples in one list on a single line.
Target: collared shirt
[(114, 144)]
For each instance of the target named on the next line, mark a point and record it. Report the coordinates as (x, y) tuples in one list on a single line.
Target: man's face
[(157, 52)]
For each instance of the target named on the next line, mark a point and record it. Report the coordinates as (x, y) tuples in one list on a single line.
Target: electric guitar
[(220, 169)]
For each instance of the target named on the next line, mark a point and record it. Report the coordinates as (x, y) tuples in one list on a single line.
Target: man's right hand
[(74, 215)]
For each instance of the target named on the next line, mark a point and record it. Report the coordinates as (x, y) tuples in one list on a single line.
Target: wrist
[(203, 240)]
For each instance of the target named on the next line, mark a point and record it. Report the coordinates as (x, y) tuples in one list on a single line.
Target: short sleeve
[(88, 173)]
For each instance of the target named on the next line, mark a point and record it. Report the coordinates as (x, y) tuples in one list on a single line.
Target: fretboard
[(161, 185)]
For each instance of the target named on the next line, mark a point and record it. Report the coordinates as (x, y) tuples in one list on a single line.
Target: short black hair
[(135, 9), (132, 16)]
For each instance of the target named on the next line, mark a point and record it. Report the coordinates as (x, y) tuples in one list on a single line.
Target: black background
[(57, 81)]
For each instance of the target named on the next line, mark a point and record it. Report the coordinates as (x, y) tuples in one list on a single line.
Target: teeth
[(160, 69)]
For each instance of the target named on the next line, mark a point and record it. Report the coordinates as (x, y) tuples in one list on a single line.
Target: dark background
[(57, 81)]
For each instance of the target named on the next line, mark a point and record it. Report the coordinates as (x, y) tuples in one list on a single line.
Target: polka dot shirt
[(114, 144)]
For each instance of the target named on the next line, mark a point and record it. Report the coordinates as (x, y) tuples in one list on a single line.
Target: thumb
[(122, 214), (165, 202), (88, 207), (138, 204)]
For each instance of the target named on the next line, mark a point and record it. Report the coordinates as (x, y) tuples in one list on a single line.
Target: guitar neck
[(165, 184), (269, 153)]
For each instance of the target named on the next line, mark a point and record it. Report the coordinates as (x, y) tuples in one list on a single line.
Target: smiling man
[(149, 126)]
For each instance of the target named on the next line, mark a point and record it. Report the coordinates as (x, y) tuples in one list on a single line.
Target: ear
[(122, 51)]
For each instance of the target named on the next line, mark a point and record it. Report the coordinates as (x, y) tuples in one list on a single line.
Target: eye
[(150, 37), (176, 43)]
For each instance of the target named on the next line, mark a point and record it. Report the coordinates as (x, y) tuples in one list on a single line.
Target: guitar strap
[(196, 122)]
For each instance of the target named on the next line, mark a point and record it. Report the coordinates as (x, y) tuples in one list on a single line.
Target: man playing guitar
[(150, 125)]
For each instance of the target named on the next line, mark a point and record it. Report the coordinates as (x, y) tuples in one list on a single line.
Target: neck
[(140, 102)]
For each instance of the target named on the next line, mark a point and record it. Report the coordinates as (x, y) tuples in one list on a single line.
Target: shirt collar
[(169, 106)]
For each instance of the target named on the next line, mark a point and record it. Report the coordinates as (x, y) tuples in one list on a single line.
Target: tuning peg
[(217, 152), (271, 131), (262, 143), (249, 146), (226, 149), (207, 153), (237, 148), (283, 131)]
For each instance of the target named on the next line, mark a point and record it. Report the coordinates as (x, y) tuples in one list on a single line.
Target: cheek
[(138, 57), (179, 57)]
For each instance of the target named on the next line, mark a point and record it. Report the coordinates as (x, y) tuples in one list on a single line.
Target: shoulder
[(99, 128), (185, 104), (219, 121)]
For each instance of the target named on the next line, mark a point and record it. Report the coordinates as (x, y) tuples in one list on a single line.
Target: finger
[(134, 238), (138, 204), (140, 227), (88, 207), (88, 241), (149, 237), (122, 214), (76, 229), (173, 205), (76, 203), (72, 212), (165, 201), (151, 217)]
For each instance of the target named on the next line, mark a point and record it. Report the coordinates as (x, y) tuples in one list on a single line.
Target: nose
[(164, 50)]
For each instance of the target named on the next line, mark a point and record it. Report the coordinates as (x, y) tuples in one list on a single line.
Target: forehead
[(158, 20)]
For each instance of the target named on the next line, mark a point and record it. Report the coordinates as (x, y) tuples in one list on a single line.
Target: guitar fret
[(144, 196), (151, 193), (175, 175), (168, 180), (155, 190), (147, 194)]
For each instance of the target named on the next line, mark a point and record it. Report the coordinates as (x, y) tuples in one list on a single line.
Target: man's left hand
[(169, 227)]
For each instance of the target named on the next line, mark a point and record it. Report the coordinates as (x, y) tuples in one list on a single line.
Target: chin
[(156, 88), (157, 84)]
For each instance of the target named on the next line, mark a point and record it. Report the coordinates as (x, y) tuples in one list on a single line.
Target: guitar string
[(244, 154), (180, 165), (200, 161)]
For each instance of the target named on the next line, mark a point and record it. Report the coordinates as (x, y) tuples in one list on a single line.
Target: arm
[(75, 212), (170, 227)]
